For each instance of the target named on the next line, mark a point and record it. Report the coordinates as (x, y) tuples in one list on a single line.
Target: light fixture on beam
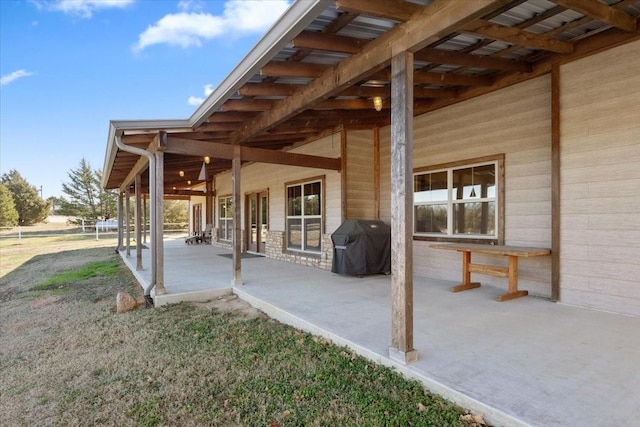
[(377, 103), (181, 173), (207, 159)]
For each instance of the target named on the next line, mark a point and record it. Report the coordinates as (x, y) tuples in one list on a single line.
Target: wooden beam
[(555, 183), (268, 89), (237, 217), (230, 116), (328, 42), (420, 92), (438, 19), (398, 10), (293, 69), (138, 221), (247, 105), (601, 12), (402, 209), (344, 181), (376, 173), (425, 77), (190, 147), (219, 127), (517, 36), (157, 199), (441, 56)]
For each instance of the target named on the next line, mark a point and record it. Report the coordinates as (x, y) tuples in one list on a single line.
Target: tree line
[(84, 198)]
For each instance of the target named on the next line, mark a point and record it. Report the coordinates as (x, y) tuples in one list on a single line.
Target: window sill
[(483, 241), (317, 255)]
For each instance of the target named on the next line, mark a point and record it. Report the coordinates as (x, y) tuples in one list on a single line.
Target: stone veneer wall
[(276, 249)]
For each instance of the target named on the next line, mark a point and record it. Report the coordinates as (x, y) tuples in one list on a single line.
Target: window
[(225, 218), (304, 216), (459, 201)]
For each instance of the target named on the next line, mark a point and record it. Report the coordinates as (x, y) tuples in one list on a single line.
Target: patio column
[(144, 219), (127, 216), (120, 222), (138, 226), (402, 209), (208, 204), (158, 227), (237, 220)]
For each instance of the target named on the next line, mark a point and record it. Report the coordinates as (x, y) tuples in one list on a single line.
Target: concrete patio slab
[(522, 362)]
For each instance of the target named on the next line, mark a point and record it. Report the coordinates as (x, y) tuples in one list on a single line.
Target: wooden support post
[(237, 220), (144, 219), (344, 213), (208, 204), (120, 222), (138, 221), (402, 209), (127, 216), (376, 172), (555, 183), (158, 236)]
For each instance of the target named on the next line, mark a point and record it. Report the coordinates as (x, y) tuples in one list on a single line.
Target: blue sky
[(67, 67)]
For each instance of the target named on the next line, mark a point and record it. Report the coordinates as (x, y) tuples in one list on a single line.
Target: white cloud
[(81, 8), (9, 78), (196, 101), (186, 29)]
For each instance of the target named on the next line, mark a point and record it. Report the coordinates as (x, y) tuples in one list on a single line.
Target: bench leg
[(466, 275), (513, 282)]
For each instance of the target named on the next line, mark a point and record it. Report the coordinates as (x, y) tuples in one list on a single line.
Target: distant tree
[(29, 205), (85, 196), (176, 212), (8, 212)]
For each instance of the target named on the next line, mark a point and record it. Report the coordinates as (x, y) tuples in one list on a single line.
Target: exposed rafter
[(600, 11)]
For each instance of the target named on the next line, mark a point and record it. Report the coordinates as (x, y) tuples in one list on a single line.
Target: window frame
[(303, 217), (498, 238), (222, 231)]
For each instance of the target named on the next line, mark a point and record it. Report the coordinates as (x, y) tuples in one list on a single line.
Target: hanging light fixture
[(207, 159), (377, 103), (181, 173), (189, 182)]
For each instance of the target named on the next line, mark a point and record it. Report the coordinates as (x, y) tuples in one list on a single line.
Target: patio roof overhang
[(319, 67)]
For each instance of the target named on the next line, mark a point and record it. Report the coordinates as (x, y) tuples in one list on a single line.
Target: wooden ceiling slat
[(517, 36), (601, 12), (293, 69), (397, 10), (468, 60)]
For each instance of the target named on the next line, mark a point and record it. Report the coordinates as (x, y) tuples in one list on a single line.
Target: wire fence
[(97, 229)]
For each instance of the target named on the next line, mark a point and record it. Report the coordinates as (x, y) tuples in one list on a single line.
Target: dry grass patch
[(68, 359)]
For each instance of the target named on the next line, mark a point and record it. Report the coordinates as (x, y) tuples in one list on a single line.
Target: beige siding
[(600, 181), (261, 176), (360, 175), (513, 121)]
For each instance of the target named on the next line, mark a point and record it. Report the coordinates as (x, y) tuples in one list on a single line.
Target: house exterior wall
[(515, 122), (272, 178), (360, 191), (600, 181)]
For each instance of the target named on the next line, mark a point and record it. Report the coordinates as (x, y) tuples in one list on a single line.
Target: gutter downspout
[(152, 185)]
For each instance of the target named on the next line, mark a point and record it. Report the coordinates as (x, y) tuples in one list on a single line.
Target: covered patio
[(525, 362)]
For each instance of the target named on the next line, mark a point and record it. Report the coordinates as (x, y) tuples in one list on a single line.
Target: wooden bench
[(511, 271)]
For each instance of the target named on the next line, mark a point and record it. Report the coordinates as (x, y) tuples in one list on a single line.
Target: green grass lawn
[(68, 359)]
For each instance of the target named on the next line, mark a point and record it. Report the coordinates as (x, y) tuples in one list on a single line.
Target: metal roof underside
[(515, 41)]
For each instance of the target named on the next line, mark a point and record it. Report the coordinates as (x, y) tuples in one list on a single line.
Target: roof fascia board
[(292, 22), (118, 127)]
